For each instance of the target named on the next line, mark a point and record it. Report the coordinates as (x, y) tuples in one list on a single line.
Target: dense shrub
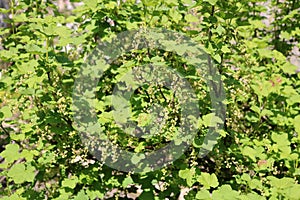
[(252, 44)]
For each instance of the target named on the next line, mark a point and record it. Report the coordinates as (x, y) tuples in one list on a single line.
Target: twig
[(5, 131)]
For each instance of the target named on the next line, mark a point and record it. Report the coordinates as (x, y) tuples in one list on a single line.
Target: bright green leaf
[(70, 182), (208, 180), (11, 153)]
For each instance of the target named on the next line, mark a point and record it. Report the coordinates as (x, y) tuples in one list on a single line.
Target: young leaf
[(128, 180), (10, 153), (188, 175), (208, 180), (70, 182), (203, 195), (20, 174)]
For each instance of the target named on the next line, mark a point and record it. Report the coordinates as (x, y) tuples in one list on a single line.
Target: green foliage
[(257, 153)]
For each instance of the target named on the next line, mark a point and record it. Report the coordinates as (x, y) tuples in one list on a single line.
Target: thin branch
[(5, 131)]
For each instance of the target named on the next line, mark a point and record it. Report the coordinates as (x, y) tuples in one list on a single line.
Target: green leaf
[(246, 177), (48, 157), (225, 193), (127, 181), (220, 30), (140, 147), (212, 2), (255, 184), (211, 120), (34, 49), (282, 183), (11, 153), (191, 18), (296, 123), (203, 195), (94, 194), (255, 109), (278, 55), (171, 2), (92, 4), (81, 196), (111, 5), (266, 112), (250, 152), (106, 117), (62, 31), (13, 197), (292, 99), (175, 15), (280, 139), (164, 19), (20, 174), (285, 35), (293, 193), (257, 23), (208, 180), (28, 154), (265, 53), (252, 196), (289, 68), (27, 67), (30, 173), (6, 112), (188, 175), (225, 49), (150, 2), (70, 182), (49, 30), (218, 58), (17, 136), (20, 18)]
